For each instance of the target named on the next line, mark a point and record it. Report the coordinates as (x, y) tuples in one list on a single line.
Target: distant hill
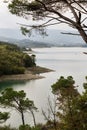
[(54, 38), (9, 39), (33, 44), (25, 42)]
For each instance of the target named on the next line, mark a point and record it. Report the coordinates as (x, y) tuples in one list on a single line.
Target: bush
[(13, 61), (28, 61), (18, 70), (24, 127), (27, 127), (7, 128)]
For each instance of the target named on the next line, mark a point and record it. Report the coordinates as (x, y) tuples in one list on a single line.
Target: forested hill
[(13, 60)]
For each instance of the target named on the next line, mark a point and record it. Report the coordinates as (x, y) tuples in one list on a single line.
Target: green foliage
[(24, 6), (3, 116), (71, 106), (45, 9), (17, 100), (28, 61), (67, 97), (65, 87), (82, 108), (36, 128), (12, 60), (25, 31), (24, 127), (14, 11), (7, 128), (27, 127), (33, 6), (63, 83)]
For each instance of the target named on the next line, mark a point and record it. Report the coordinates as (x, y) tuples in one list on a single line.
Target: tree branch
[(78, 3)]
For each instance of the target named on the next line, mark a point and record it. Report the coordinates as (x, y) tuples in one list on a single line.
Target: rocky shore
[(30, 74)]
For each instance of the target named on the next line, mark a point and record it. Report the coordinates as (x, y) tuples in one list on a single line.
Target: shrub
[(24, 127)]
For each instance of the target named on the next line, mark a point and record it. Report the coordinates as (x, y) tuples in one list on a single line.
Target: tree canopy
[(53, 11), (71, 105), (17, 100), (13, 60), (70, 110)]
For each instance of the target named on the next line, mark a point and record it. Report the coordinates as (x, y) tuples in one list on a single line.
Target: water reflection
[(6, 84)]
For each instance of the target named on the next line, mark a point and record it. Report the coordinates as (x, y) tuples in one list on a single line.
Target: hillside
[(25, 42), (13, 60), (33, 44)]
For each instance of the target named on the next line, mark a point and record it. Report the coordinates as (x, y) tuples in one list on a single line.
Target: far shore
[(31, 73)]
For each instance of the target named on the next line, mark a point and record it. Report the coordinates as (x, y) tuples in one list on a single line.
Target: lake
[(66, 61)]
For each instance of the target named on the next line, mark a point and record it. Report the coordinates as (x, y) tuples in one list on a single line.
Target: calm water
[(65, 62)]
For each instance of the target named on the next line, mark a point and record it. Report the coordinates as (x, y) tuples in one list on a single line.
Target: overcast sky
[(7, 20)]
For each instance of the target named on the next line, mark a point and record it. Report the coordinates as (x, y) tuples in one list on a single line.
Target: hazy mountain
[(54, 38), (25, 42), (11, 33), (8, 39), (57, 38), (33, 44)]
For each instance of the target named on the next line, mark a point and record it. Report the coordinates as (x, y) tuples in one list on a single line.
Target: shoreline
[(31, 73)]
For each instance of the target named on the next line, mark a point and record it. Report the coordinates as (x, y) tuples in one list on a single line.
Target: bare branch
[(78, 3), (79, 10), (70, 33), (73, 11), (84, 19)]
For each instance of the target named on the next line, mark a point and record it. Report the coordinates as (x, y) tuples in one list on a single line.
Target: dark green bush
[(13, 61), (24, 127), (7, 128), (28, 61)]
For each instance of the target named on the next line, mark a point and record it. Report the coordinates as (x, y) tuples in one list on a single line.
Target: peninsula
[(16, 65), (31, 73)]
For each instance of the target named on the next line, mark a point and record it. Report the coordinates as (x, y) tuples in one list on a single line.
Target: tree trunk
[(82, 33), (33, 117), (22, 117)]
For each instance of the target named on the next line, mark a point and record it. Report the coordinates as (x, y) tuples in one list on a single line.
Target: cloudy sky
[(7, 20)]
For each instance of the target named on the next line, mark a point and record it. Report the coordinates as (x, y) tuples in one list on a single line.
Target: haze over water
[(65, 62)]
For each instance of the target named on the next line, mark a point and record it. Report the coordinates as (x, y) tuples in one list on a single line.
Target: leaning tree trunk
[(33, 117), (22, 117), (82, 33)]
